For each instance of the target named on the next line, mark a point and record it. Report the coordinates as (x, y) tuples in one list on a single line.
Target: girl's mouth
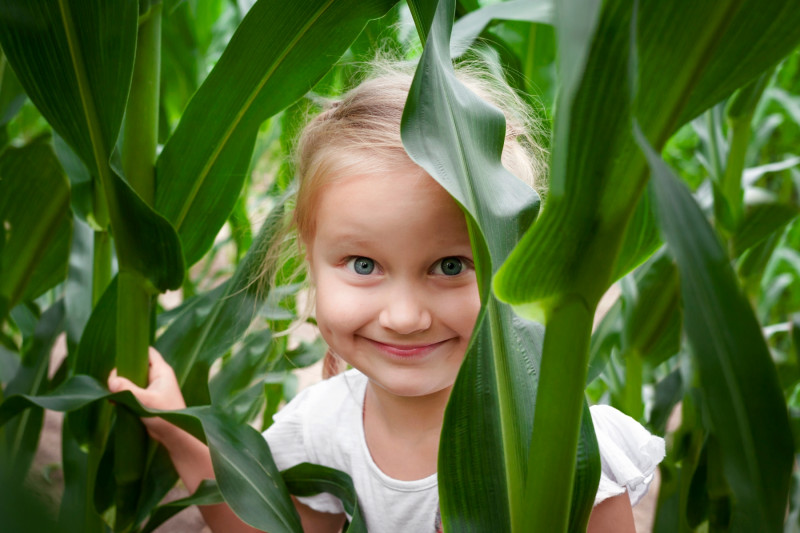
[(406, 350)]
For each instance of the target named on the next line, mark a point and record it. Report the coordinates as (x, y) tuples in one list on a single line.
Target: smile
[(406, 350)]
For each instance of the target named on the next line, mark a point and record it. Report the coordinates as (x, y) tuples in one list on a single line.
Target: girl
[(396, 298)]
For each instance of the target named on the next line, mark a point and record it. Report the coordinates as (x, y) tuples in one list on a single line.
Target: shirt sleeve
[(629, 454), (287, 441)]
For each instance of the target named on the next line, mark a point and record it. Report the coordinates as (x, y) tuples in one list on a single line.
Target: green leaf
[(457, 138), (78, 286), (306, 479), (470, 26), (75, 61), (652, 319), (692, 57), (205, 329), (34, 202), (760, 221), (246, 474), (202, 167), (206, 494), (22, 435), (741, 388), (11, 94)]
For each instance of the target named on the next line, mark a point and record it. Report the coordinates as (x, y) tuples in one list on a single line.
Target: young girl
[(396, 298)]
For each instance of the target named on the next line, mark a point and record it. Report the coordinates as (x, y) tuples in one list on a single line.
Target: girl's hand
[(162, 392)]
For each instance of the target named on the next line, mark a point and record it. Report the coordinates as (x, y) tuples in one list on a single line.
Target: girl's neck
[(402, 433)]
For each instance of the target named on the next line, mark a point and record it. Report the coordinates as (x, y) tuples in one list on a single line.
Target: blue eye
[(449, 266), (362, 265)]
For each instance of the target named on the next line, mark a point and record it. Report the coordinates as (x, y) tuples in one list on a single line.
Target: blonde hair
[(361, 131)]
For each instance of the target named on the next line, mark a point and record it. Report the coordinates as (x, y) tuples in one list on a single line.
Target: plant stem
[(134, 296), (140, 138), (101, 265), (633, 385), (530, 58), (140, 131), (559, 404)]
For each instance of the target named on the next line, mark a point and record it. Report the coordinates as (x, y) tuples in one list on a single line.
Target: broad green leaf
[(78, 286), (22, 435), (470, 26), (741, 389), (34, 203), (77, 505), (246, 474), (306, 479), (457, 138), (760, 221), (202, 167), (11, 94), (206, 494), (653, 318), (690, 59), (26, 510), (207, 328), (607, 336), (75, 60)]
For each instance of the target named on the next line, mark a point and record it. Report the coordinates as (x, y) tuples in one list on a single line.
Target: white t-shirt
[(324, 425)]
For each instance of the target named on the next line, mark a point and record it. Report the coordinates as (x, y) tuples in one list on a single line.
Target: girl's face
[(396, 293)]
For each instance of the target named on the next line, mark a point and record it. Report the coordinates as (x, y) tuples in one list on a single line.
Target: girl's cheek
[(340, 308)]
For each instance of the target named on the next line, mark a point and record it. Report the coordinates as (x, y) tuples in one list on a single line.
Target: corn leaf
[(470, 26), (740, 384), (202, 167), (75, 59), (246, 474), (306, 479), (457, 138), (695, 54), (34, 204), (22, 434)]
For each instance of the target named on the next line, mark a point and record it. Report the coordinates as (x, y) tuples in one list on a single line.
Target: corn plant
[(629, 75)]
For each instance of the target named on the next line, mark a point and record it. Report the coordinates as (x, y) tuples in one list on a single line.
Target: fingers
[(159, 368), (118, 383)]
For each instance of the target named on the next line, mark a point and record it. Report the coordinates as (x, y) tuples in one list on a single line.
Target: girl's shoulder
[(629, 454)]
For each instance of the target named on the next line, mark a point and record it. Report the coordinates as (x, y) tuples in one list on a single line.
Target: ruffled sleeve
[(629, 454), (287, 440)]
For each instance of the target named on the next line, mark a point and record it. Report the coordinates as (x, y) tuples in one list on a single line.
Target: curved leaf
[(596, 180), (75, 60), (34, 211), (470, 26), (246, 474), (205, 329), (306, 479), (22, 435), (202, 167), (457, 138), (744, 398)]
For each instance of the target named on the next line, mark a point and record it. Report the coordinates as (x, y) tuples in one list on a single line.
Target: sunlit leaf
[(470, 26)]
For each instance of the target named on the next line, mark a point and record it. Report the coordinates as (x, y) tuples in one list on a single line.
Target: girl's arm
[(191, 457), (613, 515)]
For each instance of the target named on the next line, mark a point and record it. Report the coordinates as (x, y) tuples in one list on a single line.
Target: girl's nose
[(405, 312)]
